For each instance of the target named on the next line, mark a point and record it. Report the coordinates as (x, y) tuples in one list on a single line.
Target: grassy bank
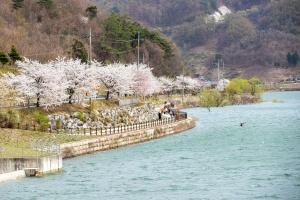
[(22, 143)]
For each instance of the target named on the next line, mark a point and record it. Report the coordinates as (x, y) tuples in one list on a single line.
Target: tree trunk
[(38, 100), (107, 95), (71, 93), (70, 98)]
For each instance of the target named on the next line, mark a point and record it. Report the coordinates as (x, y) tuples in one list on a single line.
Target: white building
[(219, 16)]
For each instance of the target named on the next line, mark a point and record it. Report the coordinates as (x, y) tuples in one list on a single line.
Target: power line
[(38, 54), (115, 52), (83, 37)]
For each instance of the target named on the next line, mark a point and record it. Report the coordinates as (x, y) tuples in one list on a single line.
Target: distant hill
[(253, 40), (46, 29)]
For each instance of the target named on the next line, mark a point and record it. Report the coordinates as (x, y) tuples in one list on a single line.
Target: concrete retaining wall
[(43, 165), (107, 142), (12, 168), (50, 164), (15, 164), (12, 175), (126, 102)]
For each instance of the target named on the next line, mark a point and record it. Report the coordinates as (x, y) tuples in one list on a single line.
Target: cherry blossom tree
[(146, 83), (17, 87), (10, 89), (116, 77), (167, 84), (44, 81), (187, 83), (55, 82), (192, 84), (222, 84), (78, 76)]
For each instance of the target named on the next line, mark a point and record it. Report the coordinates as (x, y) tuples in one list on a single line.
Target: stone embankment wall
[(107, 142), (119, 116), (12, 168)]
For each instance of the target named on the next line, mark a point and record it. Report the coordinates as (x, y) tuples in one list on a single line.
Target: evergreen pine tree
[(289, 57), (295, 58), (45, 3), (79, 51), (91, 12), (16, 4), (14, 55), (3, 58)]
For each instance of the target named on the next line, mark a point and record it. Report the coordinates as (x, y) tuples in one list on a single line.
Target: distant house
[(202, 81), (297, 79), (219, 15), (224, 10)]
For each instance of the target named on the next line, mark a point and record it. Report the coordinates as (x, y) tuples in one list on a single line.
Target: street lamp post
[(182, 83)]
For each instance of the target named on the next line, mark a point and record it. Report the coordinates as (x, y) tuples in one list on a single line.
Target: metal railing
[(122, 128), (104, 130)]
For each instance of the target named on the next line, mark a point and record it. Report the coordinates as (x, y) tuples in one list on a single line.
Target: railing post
[(100, 130), (84, 131), (96, 131), (90, 131), (26, 127)]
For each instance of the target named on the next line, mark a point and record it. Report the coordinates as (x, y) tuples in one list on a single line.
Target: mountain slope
[(254, 40), (45, 29)]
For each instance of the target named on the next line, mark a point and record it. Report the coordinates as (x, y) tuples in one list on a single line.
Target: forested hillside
[(257, 38), (46, 29), (254, 40)]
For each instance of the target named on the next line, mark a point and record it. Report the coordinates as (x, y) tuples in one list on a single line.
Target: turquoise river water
[(218, 159)]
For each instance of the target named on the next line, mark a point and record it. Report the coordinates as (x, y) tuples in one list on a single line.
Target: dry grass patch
[(16, 143)]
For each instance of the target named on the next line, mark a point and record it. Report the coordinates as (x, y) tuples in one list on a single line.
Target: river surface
[(218, 159)]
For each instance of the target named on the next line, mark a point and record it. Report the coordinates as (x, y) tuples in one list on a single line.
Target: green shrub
[(194, 93), (9, 117), (41, 119), (122, 121), (80, 116)]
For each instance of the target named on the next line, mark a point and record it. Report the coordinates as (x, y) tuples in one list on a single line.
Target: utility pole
[(138, 61), (182, 83), (90, 57), (223, 71), (218, 71), (89, 36)]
